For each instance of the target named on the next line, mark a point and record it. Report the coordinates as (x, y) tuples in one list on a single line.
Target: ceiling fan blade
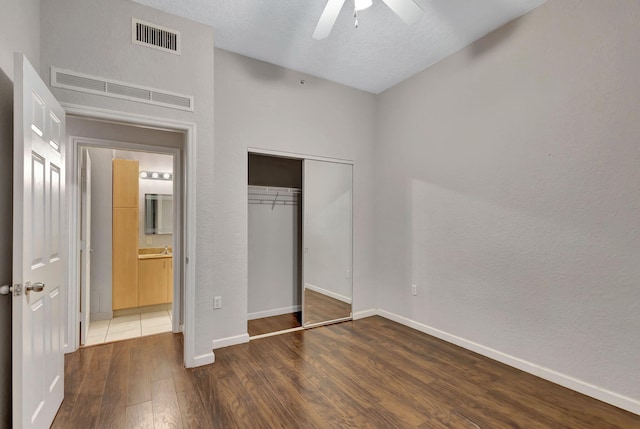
[(407, 10), (327, 19)]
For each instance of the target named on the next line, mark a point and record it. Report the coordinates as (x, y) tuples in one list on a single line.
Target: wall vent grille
[(111, 88), (155, 36)]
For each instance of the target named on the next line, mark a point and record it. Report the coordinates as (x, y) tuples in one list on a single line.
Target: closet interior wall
[(274, 234)]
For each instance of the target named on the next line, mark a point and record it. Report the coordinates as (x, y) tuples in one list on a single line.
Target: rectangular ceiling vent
[(155, 36), (112, 88)]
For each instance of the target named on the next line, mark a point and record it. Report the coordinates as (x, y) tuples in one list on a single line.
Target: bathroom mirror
[(327, 242), (158, 214)]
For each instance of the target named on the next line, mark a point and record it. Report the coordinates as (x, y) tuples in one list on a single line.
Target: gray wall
[(507, 189), (94, 37), (264, 106), (19, 31)]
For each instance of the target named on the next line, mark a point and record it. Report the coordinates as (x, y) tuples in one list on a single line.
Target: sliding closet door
[(327, 242)]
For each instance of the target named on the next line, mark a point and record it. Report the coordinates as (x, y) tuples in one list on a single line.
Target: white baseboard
[(620, 401), (205, 359), (230, 341), (365, 313), (273, 312), (328, 293)]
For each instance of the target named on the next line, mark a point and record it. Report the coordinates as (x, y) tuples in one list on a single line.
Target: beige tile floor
[(132, 326)]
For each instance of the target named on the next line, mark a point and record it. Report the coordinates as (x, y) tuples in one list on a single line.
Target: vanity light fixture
[(156, 175)]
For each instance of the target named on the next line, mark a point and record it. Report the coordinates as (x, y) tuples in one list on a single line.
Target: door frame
[(77, 145), (188, 216), (303, 157)]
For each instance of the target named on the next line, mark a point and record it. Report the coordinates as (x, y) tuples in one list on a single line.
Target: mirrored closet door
[(327, 242)]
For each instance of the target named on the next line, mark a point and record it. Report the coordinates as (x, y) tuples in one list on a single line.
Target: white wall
[(507, 189), (19, 32), (264, 106), (94, 37), (273, 277)]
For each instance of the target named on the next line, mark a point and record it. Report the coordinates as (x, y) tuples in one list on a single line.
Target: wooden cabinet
[(125, 234), (125, 258), (125, 183), (155, 281)]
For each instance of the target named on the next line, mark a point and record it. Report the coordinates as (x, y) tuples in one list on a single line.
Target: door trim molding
[(79, 143), (188, 215), (300, 156)]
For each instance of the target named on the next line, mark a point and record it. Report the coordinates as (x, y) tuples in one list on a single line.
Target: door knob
[(36, 287), (5, 289)]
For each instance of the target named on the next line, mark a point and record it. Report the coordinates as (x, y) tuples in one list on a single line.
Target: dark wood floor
[(267, 325), (321, 308), (318, 308), (371, 373)]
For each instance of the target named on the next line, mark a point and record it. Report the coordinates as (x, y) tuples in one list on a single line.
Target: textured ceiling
[(383, 51)]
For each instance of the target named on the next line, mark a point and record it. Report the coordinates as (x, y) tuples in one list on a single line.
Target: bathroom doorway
[(129, 209)]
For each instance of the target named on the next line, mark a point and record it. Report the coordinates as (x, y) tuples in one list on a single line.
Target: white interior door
[(39, 254), (85, 246)]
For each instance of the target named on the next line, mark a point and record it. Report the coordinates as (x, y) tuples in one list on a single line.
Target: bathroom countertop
[(153, 253), (156, 256)]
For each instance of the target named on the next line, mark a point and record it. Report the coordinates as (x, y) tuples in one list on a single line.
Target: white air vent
[(155, 36), (111, 88)]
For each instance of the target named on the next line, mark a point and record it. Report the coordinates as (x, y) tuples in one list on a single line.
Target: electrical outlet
[(217, 302), (414, 290), (149, 240), (348, 274)]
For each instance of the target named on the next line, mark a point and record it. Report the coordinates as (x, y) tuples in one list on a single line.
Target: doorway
[(275, 243), (299, 242), (145, 249), (126, 269)]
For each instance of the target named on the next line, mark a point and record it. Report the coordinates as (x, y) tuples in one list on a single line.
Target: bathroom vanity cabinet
[(155, 279)]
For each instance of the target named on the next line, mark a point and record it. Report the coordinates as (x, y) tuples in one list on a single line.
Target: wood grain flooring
[(371, 373), (267, 325), (322, 308)]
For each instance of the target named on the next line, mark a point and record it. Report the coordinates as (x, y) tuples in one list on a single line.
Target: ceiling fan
[(407, 10)]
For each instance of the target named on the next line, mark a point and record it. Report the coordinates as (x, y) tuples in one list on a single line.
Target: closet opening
[(300, 242), (275, 243)]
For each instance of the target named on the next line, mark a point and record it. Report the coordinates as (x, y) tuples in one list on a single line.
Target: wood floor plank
[(87, 407), (192, 410), (166, 411), (371, 373), (266, 325), (76, 368), (139, 380), (321, 308), (114, 399), (139, 416)]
